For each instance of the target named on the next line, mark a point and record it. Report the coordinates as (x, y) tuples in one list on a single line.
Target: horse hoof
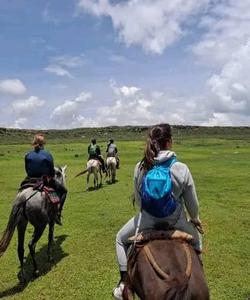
[(21, 277)]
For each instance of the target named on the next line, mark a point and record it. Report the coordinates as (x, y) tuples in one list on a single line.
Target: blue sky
[(81, 63)]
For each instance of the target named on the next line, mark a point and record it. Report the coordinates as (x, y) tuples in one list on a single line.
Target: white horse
[(93, 167), (111, 166)]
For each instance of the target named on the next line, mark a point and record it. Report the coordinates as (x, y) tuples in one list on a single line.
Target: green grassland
[(84, 250)]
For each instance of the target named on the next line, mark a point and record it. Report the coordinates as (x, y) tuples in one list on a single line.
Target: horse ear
[(64, 168)]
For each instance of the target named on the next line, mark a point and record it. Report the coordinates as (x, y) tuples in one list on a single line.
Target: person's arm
[(88, 148), (98, 150), (137, 178), (50, 161), (26, 164), (190, 197)]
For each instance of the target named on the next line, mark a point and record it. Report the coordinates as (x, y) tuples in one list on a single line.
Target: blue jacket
[(38, 163)]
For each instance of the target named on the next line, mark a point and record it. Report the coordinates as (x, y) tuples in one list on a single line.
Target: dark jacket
[(38, 163), (97, 152)]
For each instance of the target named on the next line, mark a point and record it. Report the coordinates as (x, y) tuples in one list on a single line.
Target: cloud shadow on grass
[(43, 265)]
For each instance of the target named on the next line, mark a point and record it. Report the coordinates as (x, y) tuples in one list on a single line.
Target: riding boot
[(58, 218)]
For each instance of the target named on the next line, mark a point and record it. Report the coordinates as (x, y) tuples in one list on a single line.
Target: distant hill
[(23, 136)]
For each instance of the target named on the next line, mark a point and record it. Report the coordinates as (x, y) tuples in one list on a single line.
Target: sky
[(90, 63)]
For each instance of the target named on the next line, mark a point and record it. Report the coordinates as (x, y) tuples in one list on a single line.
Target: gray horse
[(31, 206)]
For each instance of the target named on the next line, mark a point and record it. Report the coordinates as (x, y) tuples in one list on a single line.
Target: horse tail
[(14, 218)]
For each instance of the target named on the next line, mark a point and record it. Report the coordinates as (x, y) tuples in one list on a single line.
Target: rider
[(113, 152), (39, 164), (158, 149), (94, 152)]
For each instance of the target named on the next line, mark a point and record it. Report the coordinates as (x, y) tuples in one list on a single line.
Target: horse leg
[(50, 240), (87, 182), (95, 180), (21, 227), (32, 245), (113, 173), (100, 171)]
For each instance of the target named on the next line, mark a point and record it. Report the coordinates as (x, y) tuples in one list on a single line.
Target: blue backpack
[(156, 190)]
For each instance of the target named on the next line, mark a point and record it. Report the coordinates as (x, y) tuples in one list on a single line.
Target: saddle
[(41, 184), (150, 235)]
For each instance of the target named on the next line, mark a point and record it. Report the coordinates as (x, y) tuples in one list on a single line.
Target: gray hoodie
[(183, 184)]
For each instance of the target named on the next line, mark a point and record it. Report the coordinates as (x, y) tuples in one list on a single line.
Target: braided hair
[(158, 136)]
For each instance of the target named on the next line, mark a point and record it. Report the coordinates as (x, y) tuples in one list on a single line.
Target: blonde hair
[(38, 141)]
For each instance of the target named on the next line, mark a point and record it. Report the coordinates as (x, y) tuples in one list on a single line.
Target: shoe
[(58, 219), (117, 291)]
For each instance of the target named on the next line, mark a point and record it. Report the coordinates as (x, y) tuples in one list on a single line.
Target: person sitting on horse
[(113, 152), (94, 152), (39, 164), (158, 151)]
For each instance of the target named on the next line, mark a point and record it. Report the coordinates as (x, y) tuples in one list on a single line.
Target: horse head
[(60, 174)]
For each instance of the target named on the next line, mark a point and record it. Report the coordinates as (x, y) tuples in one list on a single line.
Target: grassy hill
[(132, 133)]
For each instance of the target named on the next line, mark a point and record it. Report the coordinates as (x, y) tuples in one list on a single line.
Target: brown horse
[(165, 269)]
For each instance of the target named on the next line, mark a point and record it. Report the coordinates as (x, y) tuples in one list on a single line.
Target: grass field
[(85, 262)]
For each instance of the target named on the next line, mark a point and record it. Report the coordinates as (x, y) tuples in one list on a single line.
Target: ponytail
[(158, 136)]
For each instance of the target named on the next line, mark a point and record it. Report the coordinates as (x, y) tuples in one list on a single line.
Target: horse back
[(93, 164), (111, 160), (180, 275), (37, 206)]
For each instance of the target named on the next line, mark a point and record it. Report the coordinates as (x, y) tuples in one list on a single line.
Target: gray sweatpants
[(177, 220)]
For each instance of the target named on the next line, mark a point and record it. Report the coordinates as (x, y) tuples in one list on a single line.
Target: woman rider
[(39, 163), (158, 150)]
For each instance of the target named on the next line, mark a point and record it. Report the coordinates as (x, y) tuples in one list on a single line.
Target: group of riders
[(39, 163), (94, 152)]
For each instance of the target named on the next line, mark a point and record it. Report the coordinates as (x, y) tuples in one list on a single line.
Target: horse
[(93, 167), (111, 167), (31, 206), (165, 269)]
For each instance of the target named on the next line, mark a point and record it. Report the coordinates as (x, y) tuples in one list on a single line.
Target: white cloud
[(126, 91), (58, 70), (20, 123), (26, 106), (152, 24), (226, 29), (68, 112), (13, 87), (60, 65), (146, 108), (68, 61), (226, 45)]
